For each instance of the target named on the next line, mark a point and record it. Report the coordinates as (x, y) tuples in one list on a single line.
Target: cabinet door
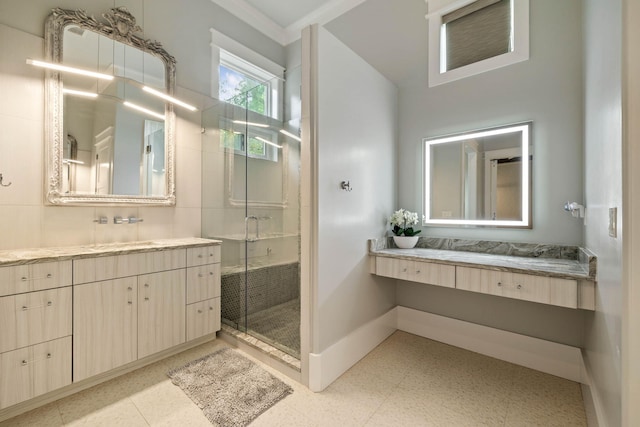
[(35, 370), (104, 326), (34, 317), (161, 311), (203, 318)]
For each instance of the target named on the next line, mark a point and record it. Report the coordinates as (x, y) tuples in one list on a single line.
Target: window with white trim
[(245, 78), (469, 37)]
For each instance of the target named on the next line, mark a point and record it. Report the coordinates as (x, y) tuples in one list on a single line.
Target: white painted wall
[(356, 142), (603, 189), (183, 29)]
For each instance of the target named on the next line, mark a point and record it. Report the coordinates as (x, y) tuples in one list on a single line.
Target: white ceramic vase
[(405, 242)]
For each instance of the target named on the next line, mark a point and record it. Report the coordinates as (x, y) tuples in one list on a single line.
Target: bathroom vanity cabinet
[(99, 311)]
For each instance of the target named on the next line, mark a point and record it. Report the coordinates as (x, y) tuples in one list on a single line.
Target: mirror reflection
[(114, 138), (479, 178)]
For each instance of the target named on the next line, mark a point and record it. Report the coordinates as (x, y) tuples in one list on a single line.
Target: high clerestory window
[(470, 37)]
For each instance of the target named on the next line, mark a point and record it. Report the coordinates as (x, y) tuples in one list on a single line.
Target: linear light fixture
[(168, 98), (290, 135), (242, 122), (268, 142), (144, 110), (80, 93), (66, 69)]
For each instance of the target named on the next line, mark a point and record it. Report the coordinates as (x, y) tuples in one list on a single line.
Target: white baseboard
[(556, 359), (326, 367), (591, 398)]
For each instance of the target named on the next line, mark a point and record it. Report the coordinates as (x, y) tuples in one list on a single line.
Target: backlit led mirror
[(479, 178)]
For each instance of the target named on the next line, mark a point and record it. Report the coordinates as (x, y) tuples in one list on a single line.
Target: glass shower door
[(255, 212)]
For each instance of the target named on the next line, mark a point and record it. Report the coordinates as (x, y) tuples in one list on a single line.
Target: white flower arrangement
[(402, 222)]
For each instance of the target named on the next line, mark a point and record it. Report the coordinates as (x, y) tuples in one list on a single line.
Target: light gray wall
[(546, 89), (181, 26), (357, 134), (603, 189)]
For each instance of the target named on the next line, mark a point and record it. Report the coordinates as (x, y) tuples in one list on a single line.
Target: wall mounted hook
[(346, 186), (3, 184)]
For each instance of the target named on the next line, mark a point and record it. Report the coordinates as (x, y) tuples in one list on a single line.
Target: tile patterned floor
[(405, 381)]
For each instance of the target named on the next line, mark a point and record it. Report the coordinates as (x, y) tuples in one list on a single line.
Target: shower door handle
[(246, 228)]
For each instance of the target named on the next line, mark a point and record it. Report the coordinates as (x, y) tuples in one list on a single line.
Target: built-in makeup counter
[(547, 274)]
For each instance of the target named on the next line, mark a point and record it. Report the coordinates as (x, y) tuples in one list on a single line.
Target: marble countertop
[(582, 266), (33, 255)]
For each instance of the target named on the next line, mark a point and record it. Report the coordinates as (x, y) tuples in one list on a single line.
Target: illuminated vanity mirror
[(479, 178), (109, 140)]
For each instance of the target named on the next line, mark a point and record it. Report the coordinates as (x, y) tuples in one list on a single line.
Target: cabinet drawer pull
[(519, 286), (200, 274), (25, 362), (499, 283), (417, 271), (129, 288), (130, 302), (146, 285), (210, 308), (211, 273), (48, 304), (146, 298), (199, 255), (199, 311), (26, 279), (211, 254), (404, 270)]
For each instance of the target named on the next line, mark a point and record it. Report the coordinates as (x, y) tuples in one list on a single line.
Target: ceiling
[(283, 20), (389, 35)]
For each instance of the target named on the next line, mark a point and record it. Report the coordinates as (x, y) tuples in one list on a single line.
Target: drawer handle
[(210, 308), (210, 254), (26, 362), (146, 285), (404, 270), (211, 273), (48, 304), (129, 288), (519, 286), (146, 298), (199, 311), (417, 271), (25, 279), (200, 275), (499, 283), (200, 256), (130, 302)]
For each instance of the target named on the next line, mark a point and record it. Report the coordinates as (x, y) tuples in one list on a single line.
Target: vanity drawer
[(34, 317), (113, 267), (417, 271), (542, 289), (203, 255), (34, 277), (203, 282), (203, 318), (34, 370)]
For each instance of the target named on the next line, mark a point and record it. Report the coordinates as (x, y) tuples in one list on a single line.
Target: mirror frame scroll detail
[(117, 29)]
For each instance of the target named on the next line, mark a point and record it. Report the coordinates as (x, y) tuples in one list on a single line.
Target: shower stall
[(251, 202)]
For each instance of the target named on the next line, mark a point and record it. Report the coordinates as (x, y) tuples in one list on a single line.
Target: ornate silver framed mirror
[(109, 140)]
